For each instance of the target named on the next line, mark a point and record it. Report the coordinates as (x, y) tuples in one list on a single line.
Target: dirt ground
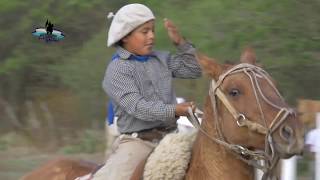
[(17, 162)]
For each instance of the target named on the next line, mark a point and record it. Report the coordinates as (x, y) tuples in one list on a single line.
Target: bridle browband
[(264, 160)]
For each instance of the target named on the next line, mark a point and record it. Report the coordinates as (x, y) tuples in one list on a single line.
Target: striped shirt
[(142, 92)]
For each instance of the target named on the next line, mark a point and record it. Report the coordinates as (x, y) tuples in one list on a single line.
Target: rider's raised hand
[(173, 32)]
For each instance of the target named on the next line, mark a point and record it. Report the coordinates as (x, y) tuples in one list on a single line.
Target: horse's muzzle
[(289, 139)]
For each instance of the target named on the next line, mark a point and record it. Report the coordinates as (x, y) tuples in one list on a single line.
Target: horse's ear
[(248, 56), (209, 66)]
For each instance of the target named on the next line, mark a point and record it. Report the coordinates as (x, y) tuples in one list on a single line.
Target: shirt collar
[(125, 54)]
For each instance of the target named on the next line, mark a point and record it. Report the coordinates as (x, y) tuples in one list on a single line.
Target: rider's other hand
[(182, 108)]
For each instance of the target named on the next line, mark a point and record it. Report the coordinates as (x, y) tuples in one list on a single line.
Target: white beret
[(126, 20)]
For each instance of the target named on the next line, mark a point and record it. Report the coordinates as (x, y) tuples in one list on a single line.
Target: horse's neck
[(212, 161)]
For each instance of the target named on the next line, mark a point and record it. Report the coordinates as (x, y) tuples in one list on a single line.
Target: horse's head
[(249, 110)]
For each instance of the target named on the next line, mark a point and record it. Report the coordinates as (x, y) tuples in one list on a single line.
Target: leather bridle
[(264, 160)]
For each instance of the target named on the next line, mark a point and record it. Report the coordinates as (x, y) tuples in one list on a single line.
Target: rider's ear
[(209, 65), (248, 56)]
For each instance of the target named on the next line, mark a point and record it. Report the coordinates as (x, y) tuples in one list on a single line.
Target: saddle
[(174, 147)]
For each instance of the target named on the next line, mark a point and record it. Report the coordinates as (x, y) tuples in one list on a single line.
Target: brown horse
[(246, 122)]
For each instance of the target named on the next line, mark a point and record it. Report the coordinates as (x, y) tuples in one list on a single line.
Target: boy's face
[(141, 40)]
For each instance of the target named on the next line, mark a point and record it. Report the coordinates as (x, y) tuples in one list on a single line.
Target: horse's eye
[(234, 92)]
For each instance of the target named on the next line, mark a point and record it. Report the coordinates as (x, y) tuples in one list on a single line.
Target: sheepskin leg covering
[(170, 159)]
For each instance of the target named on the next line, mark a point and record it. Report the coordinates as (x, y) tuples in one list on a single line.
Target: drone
[(48, 34)]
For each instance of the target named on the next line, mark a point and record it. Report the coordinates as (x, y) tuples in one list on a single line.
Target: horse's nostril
[(286, 133)]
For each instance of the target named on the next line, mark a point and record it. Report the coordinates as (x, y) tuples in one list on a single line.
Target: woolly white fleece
[(170, 159)]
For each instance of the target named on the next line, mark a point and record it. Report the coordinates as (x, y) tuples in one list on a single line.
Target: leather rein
[(264, 160)]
